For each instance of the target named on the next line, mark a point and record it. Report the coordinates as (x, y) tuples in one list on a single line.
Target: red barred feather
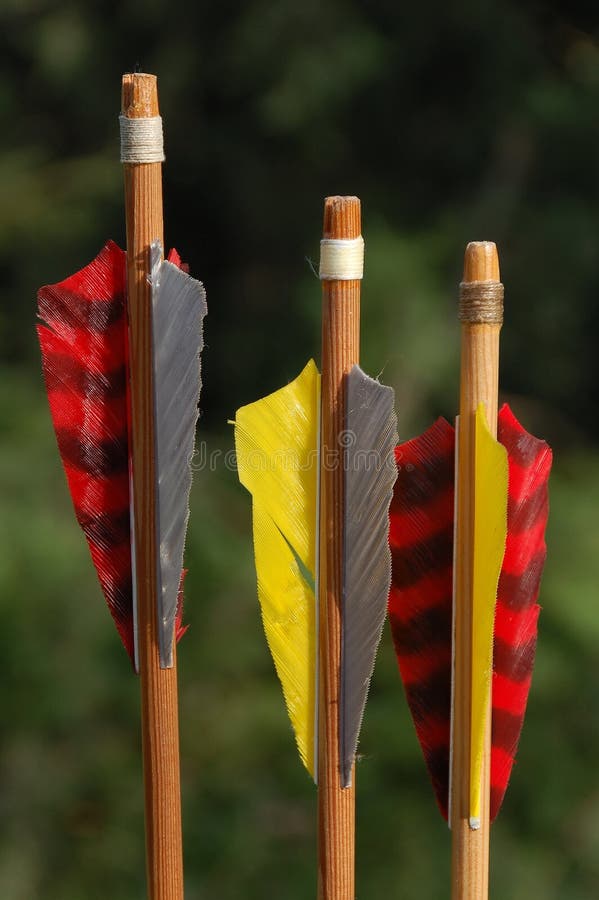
[(83, 340), (421, 538), (420, 601), (84, 359), (517, 611)]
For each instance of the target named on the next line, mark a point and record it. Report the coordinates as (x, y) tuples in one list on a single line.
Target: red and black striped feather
[(420, 602), (517, 611), (421, 538), (84, 347), (84, 358)]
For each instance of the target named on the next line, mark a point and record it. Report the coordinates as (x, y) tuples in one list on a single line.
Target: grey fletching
[(178, 308), (370, 473)]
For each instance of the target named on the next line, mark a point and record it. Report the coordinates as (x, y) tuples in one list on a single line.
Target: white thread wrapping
[(141, 140), (341, 260)]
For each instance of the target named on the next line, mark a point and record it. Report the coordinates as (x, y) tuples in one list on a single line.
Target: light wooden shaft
[(340, 351), (159, 712), (478, 383)]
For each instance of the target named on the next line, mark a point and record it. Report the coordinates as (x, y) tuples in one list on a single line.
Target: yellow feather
[(276, 443), (490, 529), (287, 604)]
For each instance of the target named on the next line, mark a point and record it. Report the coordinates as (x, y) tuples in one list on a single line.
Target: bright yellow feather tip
[(276, 444), (490, 530)]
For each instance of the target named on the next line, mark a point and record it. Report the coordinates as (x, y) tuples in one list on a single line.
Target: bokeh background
[(459, 121)]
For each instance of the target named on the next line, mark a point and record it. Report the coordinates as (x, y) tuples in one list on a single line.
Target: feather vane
[(490, 526), (420, 600), (84, 345), (517, 610), (83, 339), (370, 473), (276, 443), (178, 309)]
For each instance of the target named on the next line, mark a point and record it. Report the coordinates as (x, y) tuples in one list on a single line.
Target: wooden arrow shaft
[(159, 707), (478, 384), (340, 351)]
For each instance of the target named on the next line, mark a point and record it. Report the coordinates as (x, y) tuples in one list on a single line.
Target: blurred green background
[(452, 122)]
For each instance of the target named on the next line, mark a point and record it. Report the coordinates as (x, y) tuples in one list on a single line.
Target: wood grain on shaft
[(478, 383), (340, 351), (159, 708)]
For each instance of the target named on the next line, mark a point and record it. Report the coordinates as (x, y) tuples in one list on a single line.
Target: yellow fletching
[(287, 604), (276, 443), (490, 530)]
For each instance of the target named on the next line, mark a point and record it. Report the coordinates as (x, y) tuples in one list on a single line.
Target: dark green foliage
[(453, 122)]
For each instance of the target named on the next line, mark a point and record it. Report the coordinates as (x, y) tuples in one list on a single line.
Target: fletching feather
[(490, 526), (178, 308), (370, 473), (420, 600), (83, 340), (276, 443), (517, 610)]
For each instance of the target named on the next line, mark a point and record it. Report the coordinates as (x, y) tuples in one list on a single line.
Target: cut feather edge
[(370, 474), (276, 441), (178, 310), (429, 473)]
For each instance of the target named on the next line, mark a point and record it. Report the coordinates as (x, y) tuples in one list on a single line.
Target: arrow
[(469, 606), (120, 344), (317, 458)]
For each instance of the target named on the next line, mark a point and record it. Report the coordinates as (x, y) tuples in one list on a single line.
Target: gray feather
[(178, 308), (370, 473)]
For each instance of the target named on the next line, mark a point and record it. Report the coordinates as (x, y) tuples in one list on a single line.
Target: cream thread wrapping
[(141, 140), (341, 260)]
